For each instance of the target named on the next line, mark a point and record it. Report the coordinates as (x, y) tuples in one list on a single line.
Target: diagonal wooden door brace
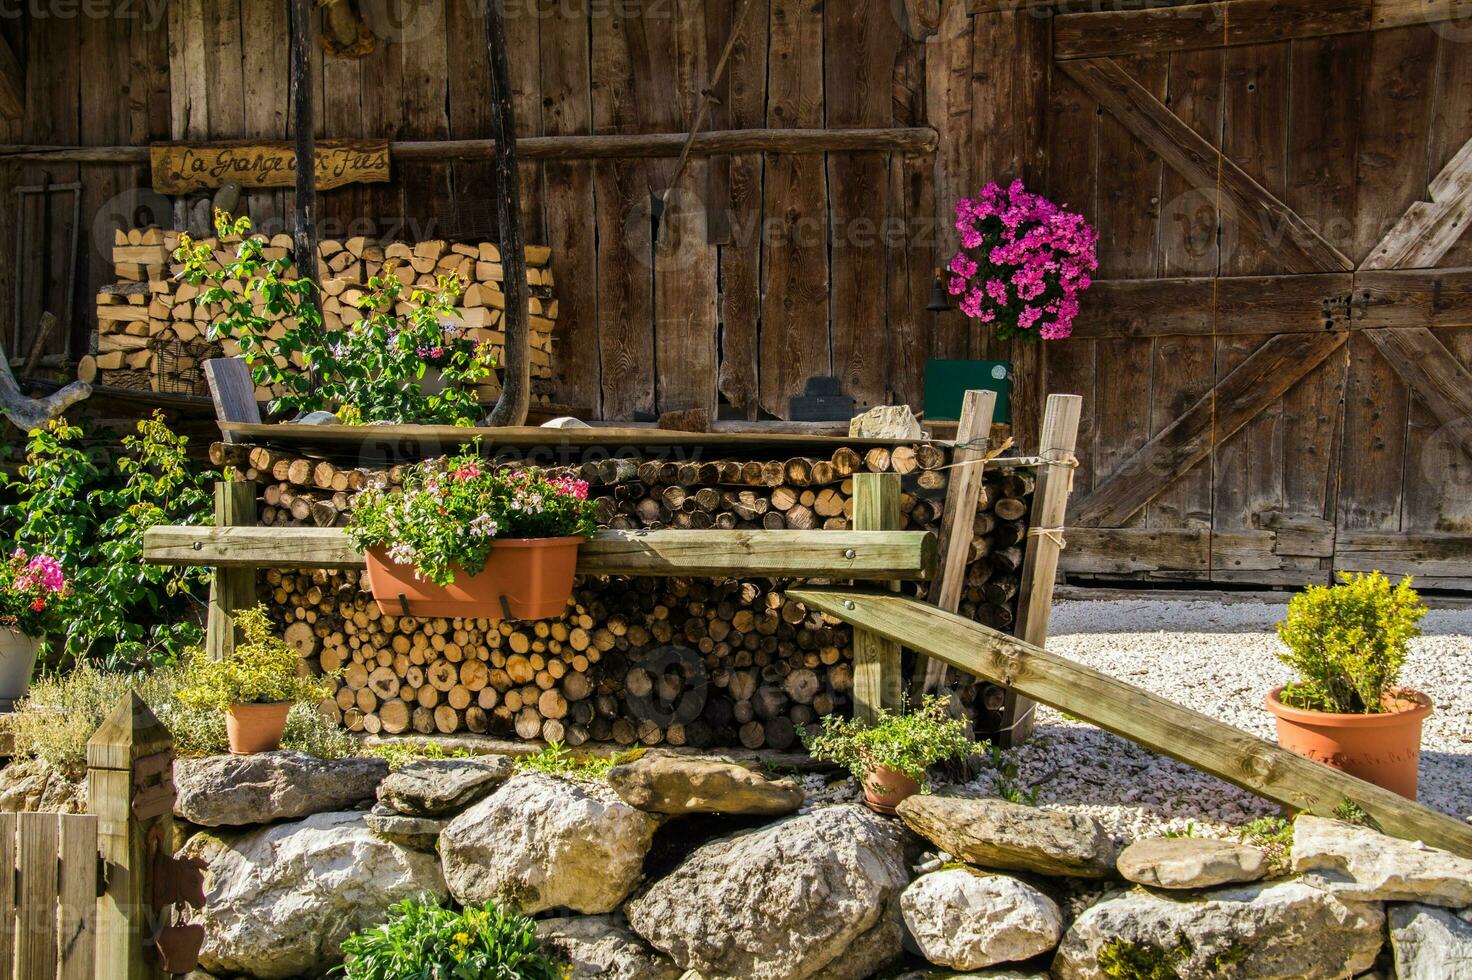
[(1205, 167), (1237, 399), (1433, 374), (1428, 229)]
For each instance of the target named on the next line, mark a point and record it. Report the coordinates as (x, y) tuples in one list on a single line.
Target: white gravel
[(1220, 659)]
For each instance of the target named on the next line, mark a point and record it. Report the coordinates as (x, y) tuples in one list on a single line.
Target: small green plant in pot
[(1348, 643), (426, 941), (891, 757), (255, 687)]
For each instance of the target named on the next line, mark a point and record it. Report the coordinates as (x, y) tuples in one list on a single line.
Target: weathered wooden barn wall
[(1275, 361), (775, 267)]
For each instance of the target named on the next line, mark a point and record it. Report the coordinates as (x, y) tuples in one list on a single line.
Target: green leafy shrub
[(367, 370), (451, 510), (60, 714), (425, 941), (88, 509), (1274, 836), (263, 670), (556, 760), (908, 743), (1348, 642)]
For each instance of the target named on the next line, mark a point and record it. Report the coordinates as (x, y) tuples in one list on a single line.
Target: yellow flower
[(462, 938)]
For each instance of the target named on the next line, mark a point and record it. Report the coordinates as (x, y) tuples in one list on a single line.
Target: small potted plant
[(891, 757), (255, 687), (1347, 642), (30, 589), (462, 538)]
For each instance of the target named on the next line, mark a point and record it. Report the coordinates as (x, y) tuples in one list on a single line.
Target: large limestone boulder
[(672, 784), (34, 786), (815, 895), (1431, 943), (1190, 862), (993, 833), (603, 947), (282, 899), (1247, 932), (245, 790), (967, 919), (1359, 863), (437, 787), (544, 843)]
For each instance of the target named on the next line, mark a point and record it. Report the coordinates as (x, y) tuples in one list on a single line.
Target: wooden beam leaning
[(1429, 229), (1045, 544), (1434, 375), (1115, 706), (878, 682), (868, 555), (1204, 166), (234, 586), (968, 460), (1262, 379)]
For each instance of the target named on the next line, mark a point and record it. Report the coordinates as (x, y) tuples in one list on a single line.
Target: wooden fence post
[(878, 682), (130, 789), (232, 588), (1045, 542), (957, 522)]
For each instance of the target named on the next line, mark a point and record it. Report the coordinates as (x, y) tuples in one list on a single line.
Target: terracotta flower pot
[(524, 578), (17, 660), (1384, 749), (886, 788), (252, 728)]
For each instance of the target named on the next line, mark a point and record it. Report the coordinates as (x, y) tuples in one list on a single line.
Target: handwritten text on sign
[(179, 168)]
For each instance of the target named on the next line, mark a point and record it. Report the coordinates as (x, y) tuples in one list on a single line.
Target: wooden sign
[(179, 168)]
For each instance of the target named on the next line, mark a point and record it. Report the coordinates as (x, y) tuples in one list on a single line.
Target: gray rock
[(1431, 943), (420, 833), (244, 790), (436, 787), (1190, 862), (672, 784), (967, 919), (544, 843), (815, 895), (282, 899), (1358, 863), (603, 947), (1248, 932), (35, 786), (977, 975), (993, 833), (885, 422)]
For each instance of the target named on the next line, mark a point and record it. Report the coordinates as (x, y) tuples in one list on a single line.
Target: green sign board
[(946, 383)]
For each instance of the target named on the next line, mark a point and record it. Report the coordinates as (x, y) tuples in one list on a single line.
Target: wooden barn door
[(1275, 382)]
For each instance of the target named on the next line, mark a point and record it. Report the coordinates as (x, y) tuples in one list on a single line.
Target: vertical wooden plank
[(341, 210), (684, 259), (1069, 368), (78, 897), (1045, 543), (859, 92), (104, 118), (567, 111), (1451, 121), (188, 76), (741, 255), (948, 93), (878, 683), (265, 86), (973, 432), (795, 340), (469, 111), (232, 588), (425, 65), (909, 240), (36, 940), (381, 82), (7, 893), (223, 61), (524, 25)]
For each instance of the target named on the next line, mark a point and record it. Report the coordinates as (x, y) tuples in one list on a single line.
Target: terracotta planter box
[(1384, 749), (524, 578)]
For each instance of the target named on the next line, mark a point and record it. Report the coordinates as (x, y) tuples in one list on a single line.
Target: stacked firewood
[(647, 660), (153, 332)]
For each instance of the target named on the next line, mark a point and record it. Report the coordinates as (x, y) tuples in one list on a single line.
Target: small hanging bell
[(940, 300)]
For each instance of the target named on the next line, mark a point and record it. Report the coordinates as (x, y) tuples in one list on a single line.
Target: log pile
[(649, 661), (153, 333)]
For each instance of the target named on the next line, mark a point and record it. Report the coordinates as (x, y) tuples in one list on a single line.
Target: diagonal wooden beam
[(1429, 229), (1205, 167), (1434, 375), (12, 84), (1252, 386)]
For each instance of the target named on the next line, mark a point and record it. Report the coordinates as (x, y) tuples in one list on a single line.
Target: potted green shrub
[(30, 589), (891, 757), (423, 939), (462, 538), (255, 686), (1348, 642)]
